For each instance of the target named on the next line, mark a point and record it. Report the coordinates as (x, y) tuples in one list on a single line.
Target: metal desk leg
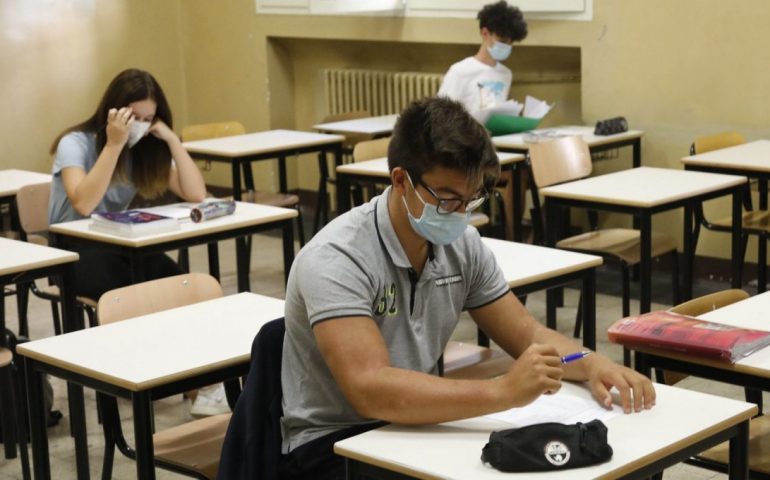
[(588, 299), (637, 152), (78, 422), (738, 467), (37, 414), (645, 263), (213, 254), (737, 244), (518, 210), (689, 253), (287, 234), (236, 172), (145, 468), (343, 193), (242, 253)]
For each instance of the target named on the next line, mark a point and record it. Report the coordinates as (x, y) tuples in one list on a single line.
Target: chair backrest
[(716, 141), (560, 160), (32, 203), (371, 149), (707, 303), (156, 295), (212, 130)]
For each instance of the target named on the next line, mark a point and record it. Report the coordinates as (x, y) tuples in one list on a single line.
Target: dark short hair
[(503, 20), (438, 131)]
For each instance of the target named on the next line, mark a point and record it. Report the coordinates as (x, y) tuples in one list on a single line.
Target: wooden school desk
[(531, 268), (181, 349), (11, 181), (241, 150), (379, 126), (643, 443), (752, 371), (642, 192), (377, 171), (519, 142), (248, 219)]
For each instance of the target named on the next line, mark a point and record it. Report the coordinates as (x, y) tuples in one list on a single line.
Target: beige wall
[(58, 57), (674, 69)]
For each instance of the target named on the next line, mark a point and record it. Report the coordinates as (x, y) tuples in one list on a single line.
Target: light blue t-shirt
[(78, 149)]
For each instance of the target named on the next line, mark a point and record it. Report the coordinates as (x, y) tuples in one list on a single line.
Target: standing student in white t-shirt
[(481, 81)]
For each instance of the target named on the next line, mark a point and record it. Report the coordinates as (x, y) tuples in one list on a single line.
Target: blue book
[(132, 223)]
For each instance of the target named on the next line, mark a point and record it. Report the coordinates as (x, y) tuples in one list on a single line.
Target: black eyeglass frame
[(470, 205)]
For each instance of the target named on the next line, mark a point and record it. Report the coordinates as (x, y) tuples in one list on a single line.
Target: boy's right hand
[(118, 125), (537, 371)]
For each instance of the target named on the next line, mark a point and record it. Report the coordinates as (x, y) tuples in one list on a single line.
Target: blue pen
[(575, 356)]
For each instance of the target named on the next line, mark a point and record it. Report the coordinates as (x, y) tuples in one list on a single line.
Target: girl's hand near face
[(118, 125), (162, 131)]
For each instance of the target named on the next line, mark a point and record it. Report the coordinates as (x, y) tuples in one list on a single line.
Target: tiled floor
[(267, 279)]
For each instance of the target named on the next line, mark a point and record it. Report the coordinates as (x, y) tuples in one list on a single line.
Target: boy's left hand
[(636, 390)]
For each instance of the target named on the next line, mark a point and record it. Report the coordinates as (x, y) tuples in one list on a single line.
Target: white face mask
[(137, 131)]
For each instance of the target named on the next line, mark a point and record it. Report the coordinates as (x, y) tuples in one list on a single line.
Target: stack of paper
[(504, 118)]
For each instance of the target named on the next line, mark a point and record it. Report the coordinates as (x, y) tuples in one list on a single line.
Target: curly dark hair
[(505, 21)]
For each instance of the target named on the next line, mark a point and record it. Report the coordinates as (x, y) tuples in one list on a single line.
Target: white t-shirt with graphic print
[(477, 85)]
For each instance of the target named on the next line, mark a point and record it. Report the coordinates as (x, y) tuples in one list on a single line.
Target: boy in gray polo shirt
[(373, 299)]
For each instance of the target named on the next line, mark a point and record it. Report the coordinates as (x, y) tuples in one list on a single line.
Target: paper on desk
[(563, 407), (535, 108), (509, 107), (179, 211)]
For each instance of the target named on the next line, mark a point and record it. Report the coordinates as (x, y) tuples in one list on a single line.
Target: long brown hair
[(151, 157)]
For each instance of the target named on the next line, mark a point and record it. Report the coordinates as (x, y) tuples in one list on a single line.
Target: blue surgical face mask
[(500, 51), (434, 227)]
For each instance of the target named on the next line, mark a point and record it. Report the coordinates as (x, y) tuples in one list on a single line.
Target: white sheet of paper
[(563, 407), (509, 107), (535, 108), (178, 211)]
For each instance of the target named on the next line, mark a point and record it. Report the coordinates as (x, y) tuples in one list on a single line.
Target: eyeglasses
[(445, 206)]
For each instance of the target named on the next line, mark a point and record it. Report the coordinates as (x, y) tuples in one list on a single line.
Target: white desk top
[(246, 214), (453, 450), (521, 141), (643, 186), (379, 166), (151, 350), (752, 156), (379, 125), (18, 256), (260, 142), (12, 180), (523, 263)]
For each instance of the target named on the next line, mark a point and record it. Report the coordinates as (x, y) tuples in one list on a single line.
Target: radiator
[(378, 92)]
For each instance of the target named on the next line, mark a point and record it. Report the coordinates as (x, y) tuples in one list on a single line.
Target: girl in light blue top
[(126, 146)]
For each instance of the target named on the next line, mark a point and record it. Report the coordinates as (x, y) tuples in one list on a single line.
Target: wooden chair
[(32, 205), (471, 361), (192, 448), (754, 222), (228, 128), (759, 429), (568, 159)]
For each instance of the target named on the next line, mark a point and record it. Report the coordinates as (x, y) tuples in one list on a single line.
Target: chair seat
[(195, 444), (273, 199), (52, 291), (470, 361), (6, 357), (621, 243), (754, 221), (479, 219), (759, 447)]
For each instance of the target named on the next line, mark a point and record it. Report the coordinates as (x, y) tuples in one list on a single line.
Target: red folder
[(671, 331)]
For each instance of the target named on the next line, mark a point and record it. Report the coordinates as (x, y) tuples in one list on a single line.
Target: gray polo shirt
[(357, 267)]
